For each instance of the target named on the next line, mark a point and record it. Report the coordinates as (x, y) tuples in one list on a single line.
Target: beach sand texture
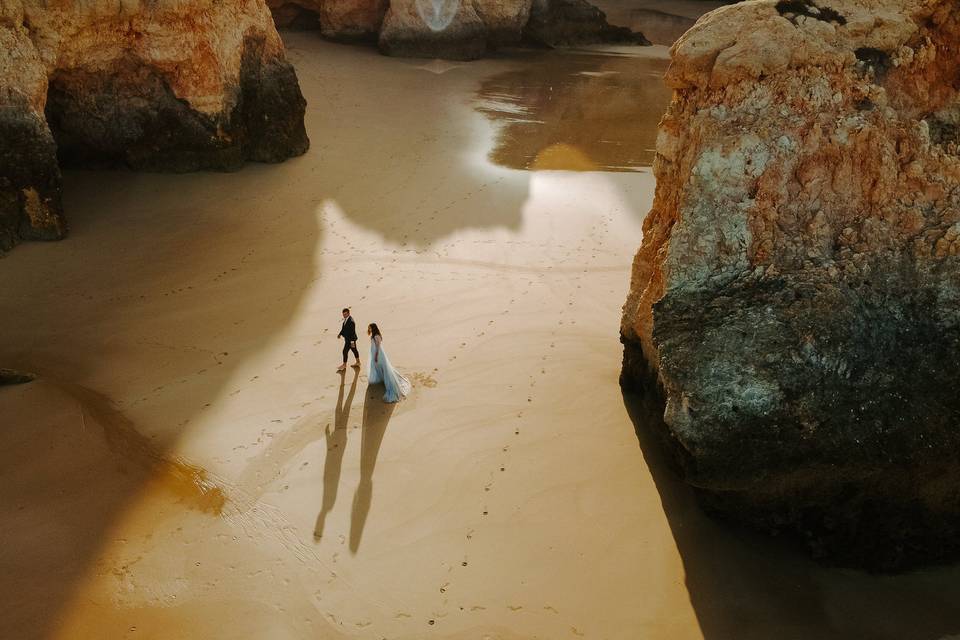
[(189, 465)]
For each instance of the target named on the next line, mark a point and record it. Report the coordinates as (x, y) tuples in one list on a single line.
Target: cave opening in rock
[(295, 17), (793, 8), (128, 115)]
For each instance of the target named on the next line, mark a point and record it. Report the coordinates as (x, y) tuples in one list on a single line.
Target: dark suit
[(349, 334)]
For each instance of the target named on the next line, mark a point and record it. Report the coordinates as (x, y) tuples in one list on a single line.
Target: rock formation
[(11, 377), (504, 20), (352, 19), (161, 85), (466, 29), (568, 23), (449, 29), (343, 20), (796, 297), (453, 29)]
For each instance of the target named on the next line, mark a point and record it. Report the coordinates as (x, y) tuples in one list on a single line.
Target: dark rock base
[(435, 48), (150, 129), (467, 42), (821, 411), (572, 23), (30, 204), (11, 377)]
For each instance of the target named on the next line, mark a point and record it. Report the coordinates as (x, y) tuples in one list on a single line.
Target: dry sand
[(189, 465)]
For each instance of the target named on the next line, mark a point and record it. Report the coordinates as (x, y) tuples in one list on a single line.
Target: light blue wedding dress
[(381, 371)]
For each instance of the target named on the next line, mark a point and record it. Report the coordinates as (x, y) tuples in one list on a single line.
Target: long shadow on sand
[(744, 586), (376, 415), (336, 441)]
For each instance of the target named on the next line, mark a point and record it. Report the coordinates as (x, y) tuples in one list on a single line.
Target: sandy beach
[(188, 463)]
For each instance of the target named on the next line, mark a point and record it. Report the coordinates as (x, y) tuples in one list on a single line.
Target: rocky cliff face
[(796, 297), (164, 85)]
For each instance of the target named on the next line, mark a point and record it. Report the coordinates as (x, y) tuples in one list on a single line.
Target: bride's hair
[(373, 330)]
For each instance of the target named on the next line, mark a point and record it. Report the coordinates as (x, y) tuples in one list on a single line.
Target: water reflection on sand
[(580, 110)]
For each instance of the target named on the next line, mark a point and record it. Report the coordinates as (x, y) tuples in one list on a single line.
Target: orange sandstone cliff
[(796, 298), (165, 85)]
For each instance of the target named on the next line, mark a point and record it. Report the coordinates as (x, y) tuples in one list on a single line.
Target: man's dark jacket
[(349, 331)]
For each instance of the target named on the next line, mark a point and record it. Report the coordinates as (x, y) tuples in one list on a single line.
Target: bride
[(397, 387)]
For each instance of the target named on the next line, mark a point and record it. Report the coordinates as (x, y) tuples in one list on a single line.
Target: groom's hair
[(345, 310)]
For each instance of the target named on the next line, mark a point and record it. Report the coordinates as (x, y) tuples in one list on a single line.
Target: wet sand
[(189, 464), (578, 110)]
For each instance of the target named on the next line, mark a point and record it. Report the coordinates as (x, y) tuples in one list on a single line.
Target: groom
[(349, 334)]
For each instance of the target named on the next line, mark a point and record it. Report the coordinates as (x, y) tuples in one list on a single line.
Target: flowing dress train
[(381, 371)]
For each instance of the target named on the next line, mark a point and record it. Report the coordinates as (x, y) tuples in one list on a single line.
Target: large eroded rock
[(163, 85), (796, 297)]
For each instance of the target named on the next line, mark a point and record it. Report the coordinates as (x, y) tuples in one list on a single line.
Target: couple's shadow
[(376, 415)]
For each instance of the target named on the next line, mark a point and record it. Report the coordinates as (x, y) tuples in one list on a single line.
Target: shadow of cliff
[(745, 586), (171, 286), (167, 286), (583, 110), (411, 180)]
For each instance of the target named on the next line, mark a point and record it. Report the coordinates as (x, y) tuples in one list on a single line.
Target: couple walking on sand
[(381, 371)]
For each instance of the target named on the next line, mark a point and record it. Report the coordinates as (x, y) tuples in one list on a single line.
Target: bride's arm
[(376, 352)]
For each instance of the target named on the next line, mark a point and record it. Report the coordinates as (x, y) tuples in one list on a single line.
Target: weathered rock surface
[(10, 377), (449, 29), (294, 15), (352, 19), (504, 19), (162, 85), (796, 297)]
